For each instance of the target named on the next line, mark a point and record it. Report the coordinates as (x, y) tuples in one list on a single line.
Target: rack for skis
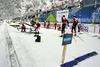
[(13, 59)]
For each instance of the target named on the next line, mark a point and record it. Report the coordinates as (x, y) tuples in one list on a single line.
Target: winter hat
[(74, 16), (63, 15)]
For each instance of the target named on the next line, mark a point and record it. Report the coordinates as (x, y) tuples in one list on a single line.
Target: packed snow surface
[(48, 52)]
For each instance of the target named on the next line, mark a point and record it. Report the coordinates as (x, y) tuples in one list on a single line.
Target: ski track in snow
[(3, 47), (48, 53)]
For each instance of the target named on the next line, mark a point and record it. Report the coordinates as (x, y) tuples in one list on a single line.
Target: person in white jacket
[(79, 25)]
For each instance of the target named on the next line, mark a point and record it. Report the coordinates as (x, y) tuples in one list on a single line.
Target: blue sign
[(67, 39)]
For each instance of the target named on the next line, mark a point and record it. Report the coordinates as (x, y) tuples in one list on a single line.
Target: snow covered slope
[(48, 53), (4, 62)]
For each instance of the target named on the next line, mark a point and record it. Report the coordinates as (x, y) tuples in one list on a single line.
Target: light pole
[(80, 10), (94, 14)]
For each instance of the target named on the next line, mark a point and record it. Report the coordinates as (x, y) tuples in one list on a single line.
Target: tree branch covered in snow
[(15, 8)]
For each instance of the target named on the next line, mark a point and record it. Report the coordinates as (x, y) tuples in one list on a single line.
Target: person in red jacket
[(64, 21), (34, 23), (37, 28), (75, 22), (23, 28)]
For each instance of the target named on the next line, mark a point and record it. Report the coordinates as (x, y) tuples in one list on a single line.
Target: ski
[(74, 39), (80, 38)]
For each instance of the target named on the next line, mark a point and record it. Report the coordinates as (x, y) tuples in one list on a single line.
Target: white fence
[(93, 28)]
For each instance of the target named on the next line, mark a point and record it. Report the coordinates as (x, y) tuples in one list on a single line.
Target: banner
[(60, 14), (67, 39), (84, 28), (94, 25), (99, 30)]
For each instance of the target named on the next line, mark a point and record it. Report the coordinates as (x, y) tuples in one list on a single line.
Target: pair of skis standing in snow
[(64, 21)]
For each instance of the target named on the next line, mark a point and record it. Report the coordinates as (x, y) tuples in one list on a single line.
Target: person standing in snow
[(48, 26), (23, 28), (79, 25), (64, 21), (55, 24), (44, 24), (37, 28), (75, 22)]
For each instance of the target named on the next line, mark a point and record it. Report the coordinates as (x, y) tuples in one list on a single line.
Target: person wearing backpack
[(64, 21), (75, 22)]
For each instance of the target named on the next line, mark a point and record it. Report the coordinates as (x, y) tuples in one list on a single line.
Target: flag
[(61, 3), (28, 14), (56, 5), (42, 9), (60, 9), (51, 6), (99, 30), (46, 7), (66, 2), (70, 1), (74, 1)]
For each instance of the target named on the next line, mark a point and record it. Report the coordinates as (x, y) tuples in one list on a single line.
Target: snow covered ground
[(3, 47), (48, 53)]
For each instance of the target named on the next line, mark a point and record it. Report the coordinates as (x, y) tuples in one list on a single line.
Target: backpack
[(76, 21)]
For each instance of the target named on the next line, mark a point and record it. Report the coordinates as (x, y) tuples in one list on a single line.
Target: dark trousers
[(63, 28), (78, 28), (48, 26), (44, 25), (55, 26), (74, 27)]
